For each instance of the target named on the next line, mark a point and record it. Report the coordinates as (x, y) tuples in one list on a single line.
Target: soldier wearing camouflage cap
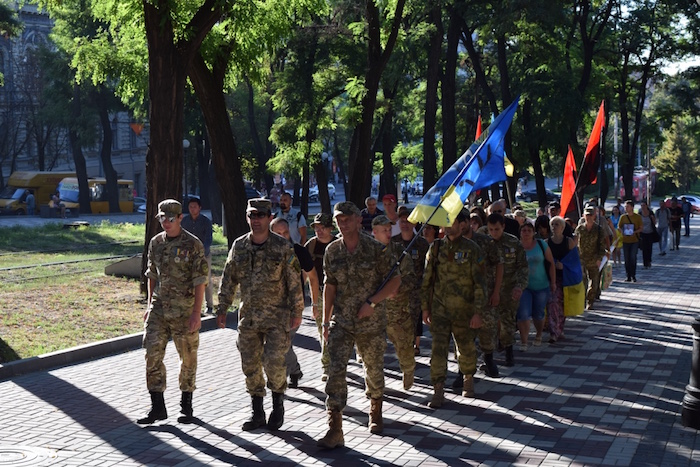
[(400, 327), (453, 297), (267, 271), (323, 228), (353, 313), (177, 274)]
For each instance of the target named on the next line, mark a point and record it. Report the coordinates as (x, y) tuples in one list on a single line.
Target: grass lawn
[(55, 294)]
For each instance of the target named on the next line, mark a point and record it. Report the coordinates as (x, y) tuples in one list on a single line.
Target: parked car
[(692, 199), (138, 202), (531, 195), (251, 193), (313, 193)]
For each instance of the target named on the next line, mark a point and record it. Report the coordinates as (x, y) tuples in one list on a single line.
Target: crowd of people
[(480, 282)]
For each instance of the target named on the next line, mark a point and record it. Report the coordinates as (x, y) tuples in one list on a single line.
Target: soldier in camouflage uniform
[(494, 280), (592, 245), (419, 248), (355, 266), (515, 279), (265, 267), (400, 327), (323, 227), (453, 296), (177, 274)]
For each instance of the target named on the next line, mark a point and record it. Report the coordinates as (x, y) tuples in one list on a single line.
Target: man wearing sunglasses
[(177, 274), (267, 270)]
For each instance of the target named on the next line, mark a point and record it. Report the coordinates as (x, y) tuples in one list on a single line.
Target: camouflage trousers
[(441, 328), (263, 349), (591, 277), (158, 330), (489, 329), (325, 360), (505, 313), (340, 346), (401, 330)]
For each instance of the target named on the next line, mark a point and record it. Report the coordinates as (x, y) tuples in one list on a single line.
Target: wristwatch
[(370, 303)]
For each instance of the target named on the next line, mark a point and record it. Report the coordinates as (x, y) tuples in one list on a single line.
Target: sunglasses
[(257, 215), (163, 217)]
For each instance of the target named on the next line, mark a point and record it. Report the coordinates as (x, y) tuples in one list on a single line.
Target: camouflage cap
[(324, 219), (259, 204), (169, 208), (403, 211), (347, 208), (381, 220)]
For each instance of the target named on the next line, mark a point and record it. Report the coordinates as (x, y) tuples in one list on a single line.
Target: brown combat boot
[(468, 387), (376, 424), (334, 437), (438, 396)]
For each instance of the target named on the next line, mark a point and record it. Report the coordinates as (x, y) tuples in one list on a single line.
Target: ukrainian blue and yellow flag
[(481, 166)]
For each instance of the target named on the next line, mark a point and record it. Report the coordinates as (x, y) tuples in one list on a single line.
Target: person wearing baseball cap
[(316, 246), (177, 273), (354, 314)]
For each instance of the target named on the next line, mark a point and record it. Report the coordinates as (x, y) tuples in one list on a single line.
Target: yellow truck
[(13, 198)]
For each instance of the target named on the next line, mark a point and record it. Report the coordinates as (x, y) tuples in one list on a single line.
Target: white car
[(313, 193)]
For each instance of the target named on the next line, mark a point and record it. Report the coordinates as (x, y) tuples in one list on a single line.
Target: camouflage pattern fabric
[(401, 329), (489, 316), (357, 276), (515, 275), (418, 251), (177, 265), (268, 276), (592, 248), (454, 290)]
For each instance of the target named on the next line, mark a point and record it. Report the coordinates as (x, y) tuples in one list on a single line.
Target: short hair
[(286, 193), (557, 220), (369, 198), (541, 221), (630, 202), (278, 220), (195, 199), (496, 218)]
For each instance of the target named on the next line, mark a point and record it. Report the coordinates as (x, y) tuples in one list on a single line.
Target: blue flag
[(482, 165)]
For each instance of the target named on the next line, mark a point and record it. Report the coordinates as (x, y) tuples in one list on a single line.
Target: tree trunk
[(533, 149), (208, 86), (111, 175), (449, 90), (359, 158), (78, 156), (431, 97)]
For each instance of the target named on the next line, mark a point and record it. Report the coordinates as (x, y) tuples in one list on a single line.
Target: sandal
[(538, 341)]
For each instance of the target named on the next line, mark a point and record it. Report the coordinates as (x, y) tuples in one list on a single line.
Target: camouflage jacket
[(516, 272), (268, 276), (454, 280), (177, 265), (492, 257), (357, 276), (591, 243)]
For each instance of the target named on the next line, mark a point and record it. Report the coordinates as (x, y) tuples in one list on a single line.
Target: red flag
[(478, 128), (569, 184), (588, 175)]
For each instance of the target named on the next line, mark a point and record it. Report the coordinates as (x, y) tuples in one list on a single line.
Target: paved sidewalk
[(609, 395)]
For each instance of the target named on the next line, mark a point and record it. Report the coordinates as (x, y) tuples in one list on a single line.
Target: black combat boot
[(257, 418), (277, 416), (158, 411), (459, 380), (490, 367), (186, 408), (510, 361)]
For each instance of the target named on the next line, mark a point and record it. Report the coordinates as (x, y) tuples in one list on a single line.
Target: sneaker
[(523, 347), (634, 279), (629, 279)]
